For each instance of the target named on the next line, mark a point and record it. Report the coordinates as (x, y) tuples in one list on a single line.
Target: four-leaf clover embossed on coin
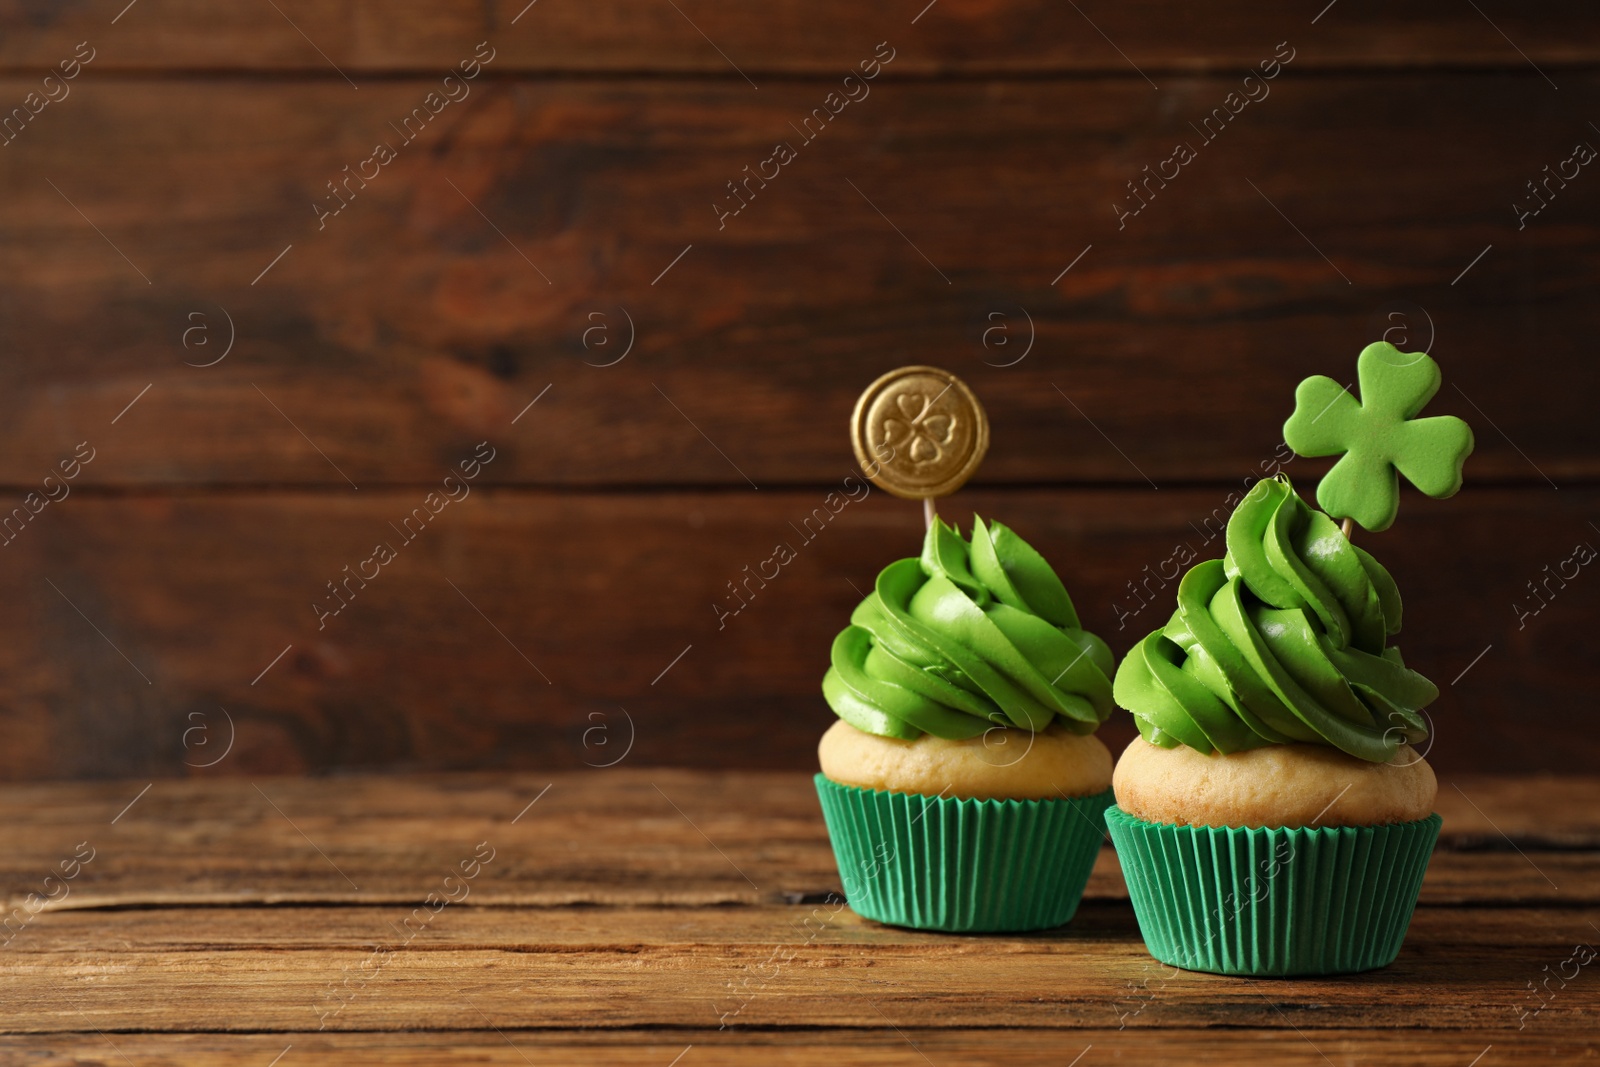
[(1378, 435), (921, 433)]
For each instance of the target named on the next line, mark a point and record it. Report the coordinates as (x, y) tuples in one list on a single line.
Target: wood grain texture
[(174, 190), (617, 837), (911, 1047), (160, 620), (1078, 977), (388, 341), (542, 630), (116, 971), (558, 930), (956, 36)]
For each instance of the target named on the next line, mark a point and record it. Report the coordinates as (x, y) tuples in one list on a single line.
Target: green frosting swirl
[(1284, 639), (974, 634)]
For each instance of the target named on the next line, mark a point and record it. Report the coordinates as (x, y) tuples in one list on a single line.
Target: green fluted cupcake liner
[(1273, 901), (942, 863)]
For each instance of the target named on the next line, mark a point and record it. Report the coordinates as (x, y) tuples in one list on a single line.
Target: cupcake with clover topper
[(1273, 818), (962, 786)]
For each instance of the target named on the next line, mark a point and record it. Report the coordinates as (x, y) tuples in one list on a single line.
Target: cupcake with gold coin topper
[(963, 786), (1273, 817)]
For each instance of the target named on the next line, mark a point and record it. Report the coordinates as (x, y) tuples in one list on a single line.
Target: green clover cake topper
[(1379, 435)]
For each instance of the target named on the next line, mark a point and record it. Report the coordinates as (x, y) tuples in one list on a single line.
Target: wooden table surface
[(671, 917)]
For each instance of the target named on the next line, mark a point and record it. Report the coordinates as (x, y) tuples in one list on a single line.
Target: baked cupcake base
[(999, 764), (1276, 785), (1271, 900), (962, 864)]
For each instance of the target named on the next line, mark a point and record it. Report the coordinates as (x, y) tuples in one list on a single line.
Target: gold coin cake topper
[(919, 432)]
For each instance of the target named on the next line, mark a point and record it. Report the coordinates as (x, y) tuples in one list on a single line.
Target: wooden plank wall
[(251, 387)]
